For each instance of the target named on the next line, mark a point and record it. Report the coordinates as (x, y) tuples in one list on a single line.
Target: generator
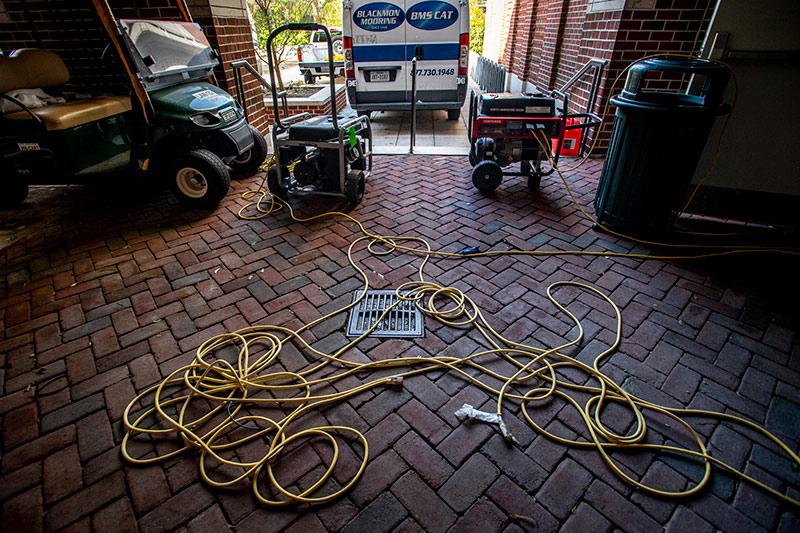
[(507, 128), (324, 155)]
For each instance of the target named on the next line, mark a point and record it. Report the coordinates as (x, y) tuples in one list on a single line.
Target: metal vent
[(404, 320)]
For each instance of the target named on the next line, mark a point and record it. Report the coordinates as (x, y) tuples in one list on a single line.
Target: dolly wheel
[(249, 162), (200, 179), (453, 114), (275, 186), (487, 176), (354, 186), (12, 192)]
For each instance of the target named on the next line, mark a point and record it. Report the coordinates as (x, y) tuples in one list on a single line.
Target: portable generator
[(324, 155), (506, 128)]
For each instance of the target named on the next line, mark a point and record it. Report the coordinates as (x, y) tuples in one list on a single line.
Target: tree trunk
[(277, 68)]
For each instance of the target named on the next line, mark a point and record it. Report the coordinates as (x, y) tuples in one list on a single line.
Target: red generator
[(506, 128)]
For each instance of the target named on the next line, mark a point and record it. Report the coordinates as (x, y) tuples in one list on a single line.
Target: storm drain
[(404, 320)]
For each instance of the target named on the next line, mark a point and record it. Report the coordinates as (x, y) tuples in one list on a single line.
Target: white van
[(381, 39)]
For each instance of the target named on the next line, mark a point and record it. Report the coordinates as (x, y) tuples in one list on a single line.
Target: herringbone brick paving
[(109, 298)]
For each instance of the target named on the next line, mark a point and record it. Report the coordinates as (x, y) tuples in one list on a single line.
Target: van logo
[(432, 15), (378, 16)]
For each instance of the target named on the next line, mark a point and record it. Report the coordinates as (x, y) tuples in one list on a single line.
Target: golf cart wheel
[(308, 78), (200, 179), (12, 192), (487, 176), (274, 184), (453, 114), (249, 162), (354, 186)]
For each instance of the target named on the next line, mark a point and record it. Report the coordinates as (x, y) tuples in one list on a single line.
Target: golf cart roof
[(166, 52)]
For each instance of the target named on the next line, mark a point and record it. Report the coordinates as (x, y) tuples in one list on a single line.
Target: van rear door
[(378, 37), (433, 33)]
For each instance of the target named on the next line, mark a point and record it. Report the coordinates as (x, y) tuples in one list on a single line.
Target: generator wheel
[(487, 176), (13, 191), (199, 178), (275, 186), (453, 114), (249, 162), (354, 186), (473, 159)]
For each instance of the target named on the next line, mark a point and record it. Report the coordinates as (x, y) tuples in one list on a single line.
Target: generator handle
[(555, 93), (593, 120), (301, 26)]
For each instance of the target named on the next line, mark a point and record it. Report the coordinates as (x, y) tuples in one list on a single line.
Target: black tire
[(367, 114), (354, 186), (308, 78), (453, 114), (13, 191), (199, 178), (487, 176), (275, 187), (249, 162), (473, 159)]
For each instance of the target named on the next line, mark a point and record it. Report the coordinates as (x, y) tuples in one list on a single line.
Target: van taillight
[(300, 53), (349, 71), (463, 57)]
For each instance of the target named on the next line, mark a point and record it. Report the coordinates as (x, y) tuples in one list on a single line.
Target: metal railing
[(596, 66), (489, 76), (237, 67)]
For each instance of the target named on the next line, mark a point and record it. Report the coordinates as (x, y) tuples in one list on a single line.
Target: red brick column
[(230, 33)]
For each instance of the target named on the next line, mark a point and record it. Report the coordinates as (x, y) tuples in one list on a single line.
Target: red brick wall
[(72, 29), (549, 40)]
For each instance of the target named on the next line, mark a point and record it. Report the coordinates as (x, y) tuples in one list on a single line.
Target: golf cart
[(172, 124)]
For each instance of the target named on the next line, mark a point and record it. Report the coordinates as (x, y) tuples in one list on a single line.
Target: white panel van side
[(380, 40)]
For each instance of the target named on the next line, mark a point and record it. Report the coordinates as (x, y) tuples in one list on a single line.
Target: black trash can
[(656, 144)]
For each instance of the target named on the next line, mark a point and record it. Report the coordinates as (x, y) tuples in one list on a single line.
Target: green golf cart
[(172, 123)]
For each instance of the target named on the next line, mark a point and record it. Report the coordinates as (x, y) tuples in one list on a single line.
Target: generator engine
[(508, 128), (506, 151), (310, 158)]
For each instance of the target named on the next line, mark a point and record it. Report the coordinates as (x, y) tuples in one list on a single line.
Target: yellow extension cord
[(220, 389)]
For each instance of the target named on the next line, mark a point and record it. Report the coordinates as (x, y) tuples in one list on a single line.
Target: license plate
[(379, 75)]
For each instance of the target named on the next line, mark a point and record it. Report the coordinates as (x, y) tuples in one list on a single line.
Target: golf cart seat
[(32, 68)]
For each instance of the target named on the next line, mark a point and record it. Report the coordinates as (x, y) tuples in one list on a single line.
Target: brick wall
[(72, 29), (549, 40)]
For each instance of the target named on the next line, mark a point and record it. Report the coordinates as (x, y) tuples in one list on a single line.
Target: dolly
[(506, 128), (328, 155)]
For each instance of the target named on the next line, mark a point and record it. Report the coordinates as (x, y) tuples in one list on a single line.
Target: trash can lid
[(713, 75)]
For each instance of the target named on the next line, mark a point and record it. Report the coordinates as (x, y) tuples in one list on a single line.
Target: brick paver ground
[(103, 302)]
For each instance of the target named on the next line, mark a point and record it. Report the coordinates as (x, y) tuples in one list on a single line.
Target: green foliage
[(477, 23)]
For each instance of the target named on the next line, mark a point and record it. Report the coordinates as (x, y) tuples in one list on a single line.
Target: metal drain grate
[(404, 320)]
